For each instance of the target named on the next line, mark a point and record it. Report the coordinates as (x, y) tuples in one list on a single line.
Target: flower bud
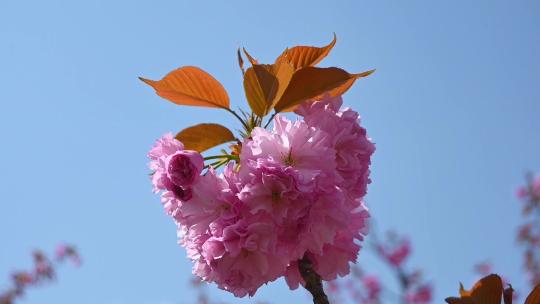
[(184, 167)]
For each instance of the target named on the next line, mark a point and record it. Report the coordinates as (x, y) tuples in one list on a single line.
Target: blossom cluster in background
[(43, 272), (529, 232), (366, 288), (293, 191)]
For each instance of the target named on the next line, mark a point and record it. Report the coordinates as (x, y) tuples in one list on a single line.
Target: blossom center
[(288, 159), (276, 196)]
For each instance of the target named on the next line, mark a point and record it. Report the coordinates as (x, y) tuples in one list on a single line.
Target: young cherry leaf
[(311, 82), (250, 58), (348, 84), (204, 136), (240, 61), (284, 71), (304, 56), (534, 296), (264, 85), (260, 86), (488, 290), (191, 86)]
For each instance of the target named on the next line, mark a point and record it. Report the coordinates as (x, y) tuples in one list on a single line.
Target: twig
[(237, 116), (313, 281)]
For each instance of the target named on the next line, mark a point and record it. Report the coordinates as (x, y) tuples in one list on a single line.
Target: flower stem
[(270, 120), (237, 116), (216, 157), (224, 156), (313, 281)]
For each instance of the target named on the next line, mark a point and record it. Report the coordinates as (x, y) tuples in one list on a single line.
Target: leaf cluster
[(281, 86)]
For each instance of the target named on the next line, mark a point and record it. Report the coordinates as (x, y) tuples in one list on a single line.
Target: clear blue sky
[(454, 109)]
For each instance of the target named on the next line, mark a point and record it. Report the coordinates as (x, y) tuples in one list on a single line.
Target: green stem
[(216, 157), (220, 163), (224, 156), (216, 164)]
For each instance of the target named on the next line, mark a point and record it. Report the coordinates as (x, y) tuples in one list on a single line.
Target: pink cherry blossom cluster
[(292, 192), (529, 233), (43, 272)]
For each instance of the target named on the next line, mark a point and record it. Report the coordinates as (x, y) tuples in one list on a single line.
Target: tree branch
[(313, 281)]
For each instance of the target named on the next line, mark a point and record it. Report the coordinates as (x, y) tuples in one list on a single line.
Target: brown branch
[(313, 281)]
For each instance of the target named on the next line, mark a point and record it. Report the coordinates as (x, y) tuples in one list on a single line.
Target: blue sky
[(454, 109)]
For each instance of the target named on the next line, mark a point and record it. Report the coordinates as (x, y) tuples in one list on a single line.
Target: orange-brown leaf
[(304, 56), (340, 90), (311, 82), (534, 296), (191, 86), (462, 291), (250, 58), (284, 71), (204, 136), (260, 86), (265, 84), (488, 290)]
